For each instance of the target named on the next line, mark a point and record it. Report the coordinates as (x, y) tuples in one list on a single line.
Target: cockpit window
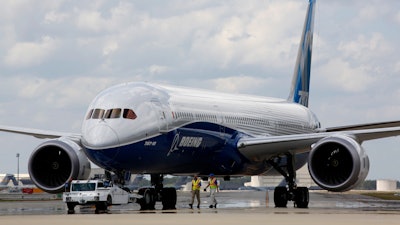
[(89, 115), (113, 113), (98, 113), (129, 114)]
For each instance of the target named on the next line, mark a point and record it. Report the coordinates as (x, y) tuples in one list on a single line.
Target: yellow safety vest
[(196, 184), (213, 183)]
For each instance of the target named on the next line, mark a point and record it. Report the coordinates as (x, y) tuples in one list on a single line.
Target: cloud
[(365, 48), (244, 39), (91, 20), (55, 17), (25, 54), (397, 17), (341, 75), (397, 67), (372, 10), (58, 92), (157, 69), (110, 47), (104, 17), (237, 84)]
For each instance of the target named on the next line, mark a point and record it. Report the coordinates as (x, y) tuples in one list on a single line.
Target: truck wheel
[(109, 200), (71, 208), (101, 207)]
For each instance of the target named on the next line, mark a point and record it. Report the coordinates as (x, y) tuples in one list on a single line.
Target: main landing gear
[(299, 195), (157, 193)]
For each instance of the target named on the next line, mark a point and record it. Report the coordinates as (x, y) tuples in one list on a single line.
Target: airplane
[(15, 184), (6, 180), (157, 129)]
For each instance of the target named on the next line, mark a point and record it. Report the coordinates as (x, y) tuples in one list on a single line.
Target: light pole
[(18, 169)]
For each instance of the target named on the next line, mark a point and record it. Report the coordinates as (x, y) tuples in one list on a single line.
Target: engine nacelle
[(338, 163), (56, 161)]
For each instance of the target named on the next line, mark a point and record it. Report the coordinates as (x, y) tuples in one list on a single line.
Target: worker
[(196, 185), (214, 187), (67, 185)]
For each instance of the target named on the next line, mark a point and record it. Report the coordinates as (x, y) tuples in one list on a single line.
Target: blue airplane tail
[(300, 87)]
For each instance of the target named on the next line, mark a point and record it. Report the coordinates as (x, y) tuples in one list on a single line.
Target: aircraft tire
[(302, 197), (280, 197), (168, 198), (148, 201)]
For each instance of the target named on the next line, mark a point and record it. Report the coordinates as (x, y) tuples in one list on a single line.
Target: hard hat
[(211, 174)]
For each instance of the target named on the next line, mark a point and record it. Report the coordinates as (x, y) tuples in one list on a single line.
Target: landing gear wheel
[(301, 197), (280, 197), (168, 198), (148, 201)]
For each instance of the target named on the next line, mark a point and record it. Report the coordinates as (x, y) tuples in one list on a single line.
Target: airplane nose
[(101, 136)]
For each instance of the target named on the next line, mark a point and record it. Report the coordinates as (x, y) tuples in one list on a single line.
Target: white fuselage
[(164, 108), (161, 110)]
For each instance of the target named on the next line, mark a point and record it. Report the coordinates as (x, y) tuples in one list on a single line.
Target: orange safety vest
[(196, 184), (213, 183)]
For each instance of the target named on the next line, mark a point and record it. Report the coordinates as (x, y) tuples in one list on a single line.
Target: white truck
[(95, 192)]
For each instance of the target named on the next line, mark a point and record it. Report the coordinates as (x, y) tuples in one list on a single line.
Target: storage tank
[(386, 185)]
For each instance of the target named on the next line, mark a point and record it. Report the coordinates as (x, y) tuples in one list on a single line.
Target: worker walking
[(196, 185), (214, 187)]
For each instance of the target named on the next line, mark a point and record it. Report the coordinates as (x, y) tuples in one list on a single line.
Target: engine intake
[(54, 162), (338, 163)]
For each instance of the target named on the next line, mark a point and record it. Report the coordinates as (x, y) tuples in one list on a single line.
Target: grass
[(383, 195)]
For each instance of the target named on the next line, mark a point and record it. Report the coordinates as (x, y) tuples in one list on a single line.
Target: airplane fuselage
[(184, 131)]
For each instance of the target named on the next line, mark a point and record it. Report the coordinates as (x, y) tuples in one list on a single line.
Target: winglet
[(300, 87)]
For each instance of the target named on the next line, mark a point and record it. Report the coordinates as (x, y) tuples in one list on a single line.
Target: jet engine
[(56, 161), (338, 163)]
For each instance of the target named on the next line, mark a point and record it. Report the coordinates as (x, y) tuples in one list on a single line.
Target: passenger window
[(98, 114), (113, 113), (129, 114)]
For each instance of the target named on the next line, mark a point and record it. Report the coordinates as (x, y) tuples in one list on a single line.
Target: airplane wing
[(365, 126), (38, 133), (259, 148)]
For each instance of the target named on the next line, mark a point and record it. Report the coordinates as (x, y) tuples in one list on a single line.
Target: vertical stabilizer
[(301, 78)]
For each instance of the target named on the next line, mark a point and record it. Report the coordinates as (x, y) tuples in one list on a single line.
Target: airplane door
[(220, 119), (163, 115)]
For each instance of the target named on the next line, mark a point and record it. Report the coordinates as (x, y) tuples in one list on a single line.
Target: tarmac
[(234, 207)]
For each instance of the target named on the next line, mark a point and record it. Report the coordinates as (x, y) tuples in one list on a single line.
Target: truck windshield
[(84, 187)]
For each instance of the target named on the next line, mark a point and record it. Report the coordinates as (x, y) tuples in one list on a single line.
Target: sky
[(55, 56)]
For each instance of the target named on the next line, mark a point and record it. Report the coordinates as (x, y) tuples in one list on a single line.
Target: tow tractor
[(99, 193)]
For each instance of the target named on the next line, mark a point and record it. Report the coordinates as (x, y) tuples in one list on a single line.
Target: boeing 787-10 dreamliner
[(155, 129)]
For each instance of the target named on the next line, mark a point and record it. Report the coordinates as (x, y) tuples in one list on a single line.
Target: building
[(303, 179)]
